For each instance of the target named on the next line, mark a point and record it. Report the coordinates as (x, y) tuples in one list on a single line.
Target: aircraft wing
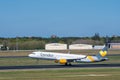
[(71, 58), (68, 59)]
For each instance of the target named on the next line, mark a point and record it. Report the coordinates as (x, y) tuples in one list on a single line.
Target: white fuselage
[(64, 58), (55, 56)]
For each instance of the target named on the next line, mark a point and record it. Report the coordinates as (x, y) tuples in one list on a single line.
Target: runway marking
[(85, 75)]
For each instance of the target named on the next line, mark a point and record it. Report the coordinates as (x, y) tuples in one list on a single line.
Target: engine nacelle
[(61, 61)]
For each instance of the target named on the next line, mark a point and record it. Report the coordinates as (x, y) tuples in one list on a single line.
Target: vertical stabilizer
[(102, 53)]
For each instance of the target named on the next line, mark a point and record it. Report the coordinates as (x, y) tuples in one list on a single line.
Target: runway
[(59, 66)]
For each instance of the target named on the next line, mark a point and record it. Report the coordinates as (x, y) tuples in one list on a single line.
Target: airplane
[(66, 59)]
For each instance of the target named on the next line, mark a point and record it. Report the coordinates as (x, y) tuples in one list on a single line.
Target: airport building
[(80, 46), (1, 47), (114, 45), (55, 46)]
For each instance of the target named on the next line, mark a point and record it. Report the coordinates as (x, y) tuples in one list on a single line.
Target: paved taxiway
[(59, 66)]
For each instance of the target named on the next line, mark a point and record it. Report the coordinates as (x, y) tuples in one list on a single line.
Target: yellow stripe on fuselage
[(91, 58)]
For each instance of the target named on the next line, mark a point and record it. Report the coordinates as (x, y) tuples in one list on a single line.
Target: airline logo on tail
[(103, 53)]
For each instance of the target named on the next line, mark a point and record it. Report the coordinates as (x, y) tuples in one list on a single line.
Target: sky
[(64, 18)]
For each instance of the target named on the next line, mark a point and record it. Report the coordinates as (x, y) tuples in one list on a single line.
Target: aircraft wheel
[(68, 64)]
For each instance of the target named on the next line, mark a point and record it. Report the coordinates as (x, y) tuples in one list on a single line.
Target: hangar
[(80, 46), (114, 45), (55, 46)]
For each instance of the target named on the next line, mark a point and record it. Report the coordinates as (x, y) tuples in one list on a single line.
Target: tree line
[(32, 43)]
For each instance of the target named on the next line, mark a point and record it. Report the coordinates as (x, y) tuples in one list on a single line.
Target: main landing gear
[(68, 64)]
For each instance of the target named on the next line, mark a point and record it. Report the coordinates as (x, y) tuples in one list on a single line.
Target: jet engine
[(61, 61)]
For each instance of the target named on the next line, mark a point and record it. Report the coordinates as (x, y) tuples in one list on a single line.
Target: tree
[(96, 37)]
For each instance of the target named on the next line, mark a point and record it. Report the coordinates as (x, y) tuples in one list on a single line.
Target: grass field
[(64, 74)]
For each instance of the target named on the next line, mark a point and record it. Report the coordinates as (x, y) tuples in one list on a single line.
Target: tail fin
[(97, 58), (102, 53)]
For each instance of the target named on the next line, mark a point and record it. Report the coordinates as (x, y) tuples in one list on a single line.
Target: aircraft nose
[(30, 55)]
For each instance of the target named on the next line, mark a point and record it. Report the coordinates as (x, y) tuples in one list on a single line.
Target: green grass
[(23, 62), (64, 74)]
